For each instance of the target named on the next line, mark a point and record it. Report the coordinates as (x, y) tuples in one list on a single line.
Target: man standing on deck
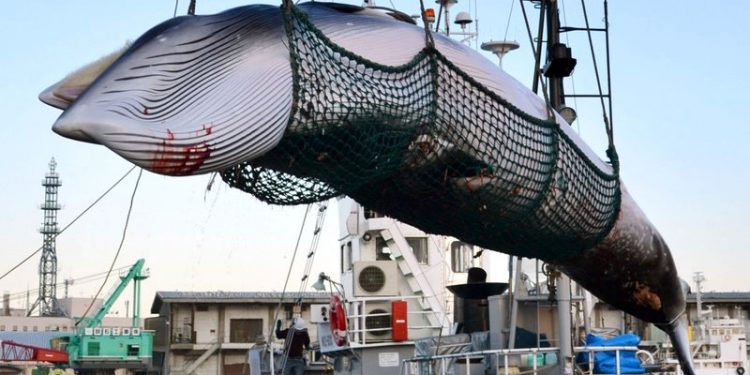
[(296, 339)]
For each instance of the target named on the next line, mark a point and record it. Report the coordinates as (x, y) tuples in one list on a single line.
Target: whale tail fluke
[(678, 334)]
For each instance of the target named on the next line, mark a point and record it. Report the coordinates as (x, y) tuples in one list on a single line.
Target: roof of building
[(38, 339), (726, 297), (234, 297)]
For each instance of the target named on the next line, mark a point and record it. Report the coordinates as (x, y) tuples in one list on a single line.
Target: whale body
[(203, 94)]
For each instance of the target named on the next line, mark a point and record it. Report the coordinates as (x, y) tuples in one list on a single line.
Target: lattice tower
[(47, 300)]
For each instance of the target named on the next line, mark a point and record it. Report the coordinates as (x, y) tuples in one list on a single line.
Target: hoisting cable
[(191, 8), (428, 34), (611, 152), (71, 223), (537, 56), (119, 248)]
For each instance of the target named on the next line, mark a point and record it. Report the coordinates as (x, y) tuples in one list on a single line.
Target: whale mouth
[(73, 130)]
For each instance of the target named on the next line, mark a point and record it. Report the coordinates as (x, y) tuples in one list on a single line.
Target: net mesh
[(427, 144)]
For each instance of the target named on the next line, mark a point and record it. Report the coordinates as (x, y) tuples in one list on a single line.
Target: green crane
[(94, 347)]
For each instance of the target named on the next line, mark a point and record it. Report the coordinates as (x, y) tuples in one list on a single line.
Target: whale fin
[(63, 93)]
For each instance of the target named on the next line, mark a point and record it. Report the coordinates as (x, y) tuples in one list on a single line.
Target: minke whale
[(201, 94)]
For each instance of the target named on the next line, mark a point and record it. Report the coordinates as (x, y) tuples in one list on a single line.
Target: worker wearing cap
[(296, 340)]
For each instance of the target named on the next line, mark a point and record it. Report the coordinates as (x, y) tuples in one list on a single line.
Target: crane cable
[(119, 248)]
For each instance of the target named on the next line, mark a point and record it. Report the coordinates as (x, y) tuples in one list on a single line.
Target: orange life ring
[(338, 321)]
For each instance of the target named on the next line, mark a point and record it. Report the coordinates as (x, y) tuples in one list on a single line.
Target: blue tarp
[(606, 363)]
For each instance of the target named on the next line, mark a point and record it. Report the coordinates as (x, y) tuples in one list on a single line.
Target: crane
[(93, 346)]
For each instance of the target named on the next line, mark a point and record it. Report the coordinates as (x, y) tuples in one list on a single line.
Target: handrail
[(507, 353)]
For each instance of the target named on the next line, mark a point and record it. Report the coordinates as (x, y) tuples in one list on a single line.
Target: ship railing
[(360, 310), (591, 350), (507, 360)]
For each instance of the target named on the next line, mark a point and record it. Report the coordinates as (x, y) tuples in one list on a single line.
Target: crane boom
[(135, 274)]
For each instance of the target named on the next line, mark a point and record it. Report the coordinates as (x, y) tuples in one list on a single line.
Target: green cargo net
[(428, 145)]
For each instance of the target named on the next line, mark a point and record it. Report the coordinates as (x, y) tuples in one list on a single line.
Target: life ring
[(338, 321), (740, 370)]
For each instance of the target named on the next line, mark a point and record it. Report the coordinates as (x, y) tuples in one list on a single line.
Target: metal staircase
[(411, 270)]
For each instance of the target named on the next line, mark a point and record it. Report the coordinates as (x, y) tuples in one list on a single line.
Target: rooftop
[(722, 297), (234, 297)]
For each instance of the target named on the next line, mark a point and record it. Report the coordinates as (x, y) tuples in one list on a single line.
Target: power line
[(77, 281), (69, 224)]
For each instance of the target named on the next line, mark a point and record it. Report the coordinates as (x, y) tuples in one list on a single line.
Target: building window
[(2, 327), (201, 307), (15, 328), (382, 252), (418, 247), (245, 330), (35, 329), (462, 254)]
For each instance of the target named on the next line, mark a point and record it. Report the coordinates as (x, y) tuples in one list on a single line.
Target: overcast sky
[(680, 94)]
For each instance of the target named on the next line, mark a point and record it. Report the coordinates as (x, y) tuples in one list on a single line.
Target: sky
[(679, 95)]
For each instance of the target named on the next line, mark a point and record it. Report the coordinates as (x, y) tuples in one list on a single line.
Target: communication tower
[(47, 303)]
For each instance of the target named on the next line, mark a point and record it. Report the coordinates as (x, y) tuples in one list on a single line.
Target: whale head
[(182, 97)]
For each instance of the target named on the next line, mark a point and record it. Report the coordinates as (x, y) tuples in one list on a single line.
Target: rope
[(119, 248), (272, 331), (507, 25)]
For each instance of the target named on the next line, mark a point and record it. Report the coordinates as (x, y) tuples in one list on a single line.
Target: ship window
[(133, 350), (371, 214), (245, 330), (346, 257), (418, 247), (461, 256), (382, 252)]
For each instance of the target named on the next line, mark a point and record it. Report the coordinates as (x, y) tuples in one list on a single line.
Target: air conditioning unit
[(375, 278), (377, 317)]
